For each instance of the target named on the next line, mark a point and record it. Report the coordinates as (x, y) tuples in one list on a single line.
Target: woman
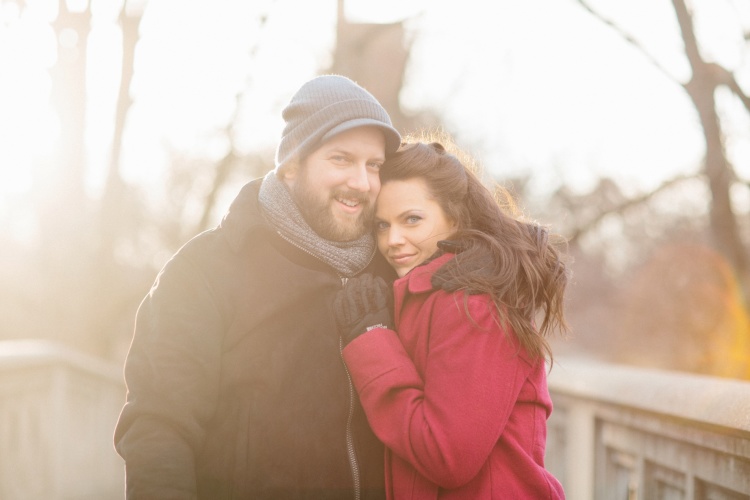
[(457, 390)]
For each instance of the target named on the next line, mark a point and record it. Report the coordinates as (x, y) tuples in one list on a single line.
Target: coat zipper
[(349, 434), (353, 464), (351, 452)]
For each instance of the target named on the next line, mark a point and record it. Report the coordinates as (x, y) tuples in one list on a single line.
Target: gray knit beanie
[(325, 106)]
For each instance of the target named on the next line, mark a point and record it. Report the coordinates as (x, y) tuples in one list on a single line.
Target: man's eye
[(375, 166)]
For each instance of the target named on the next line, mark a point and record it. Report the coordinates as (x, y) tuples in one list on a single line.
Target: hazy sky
[(528, 85)]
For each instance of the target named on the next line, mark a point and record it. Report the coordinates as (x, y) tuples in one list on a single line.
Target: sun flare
[(28, 127)]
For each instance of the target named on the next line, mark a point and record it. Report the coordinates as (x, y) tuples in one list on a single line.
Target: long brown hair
[(516, 262)]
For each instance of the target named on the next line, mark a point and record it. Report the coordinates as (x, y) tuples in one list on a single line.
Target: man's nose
[(358, 178)]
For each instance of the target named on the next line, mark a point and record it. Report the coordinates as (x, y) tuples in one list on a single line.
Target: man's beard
[(317, 209)]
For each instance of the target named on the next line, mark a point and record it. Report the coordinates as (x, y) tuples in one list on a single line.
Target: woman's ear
[(453, 223)]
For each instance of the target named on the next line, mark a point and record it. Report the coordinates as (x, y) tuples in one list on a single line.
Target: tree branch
[(685, 21), (727, 78), (626, 205), (632, 41)]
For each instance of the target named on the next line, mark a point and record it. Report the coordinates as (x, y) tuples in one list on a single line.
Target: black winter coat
[(236, 385)]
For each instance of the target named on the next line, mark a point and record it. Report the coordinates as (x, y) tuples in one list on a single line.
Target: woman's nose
[(395, 237)]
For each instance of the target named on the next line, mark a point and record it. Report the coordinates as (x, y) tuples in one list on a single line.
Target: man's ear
[(289, 172)]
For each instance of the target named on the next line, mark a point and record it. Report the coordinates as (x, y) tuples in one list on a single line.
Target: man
[(236, 386)]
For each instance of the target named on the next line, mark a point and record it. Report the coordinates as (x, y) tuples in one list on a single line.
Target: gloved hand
[(482, 269), (363, 304), (441, 280)]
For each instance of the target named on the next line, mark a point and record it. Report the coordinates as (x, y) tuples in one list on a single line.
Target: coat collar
[(419, 279), (244, 216)]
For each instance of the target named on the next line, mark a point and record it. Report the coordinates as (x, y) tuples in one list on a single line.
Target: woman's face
[(409, 223)]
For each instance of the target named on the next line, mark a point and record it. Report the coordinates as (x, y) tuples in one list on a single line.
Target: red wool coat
[(460, 409)]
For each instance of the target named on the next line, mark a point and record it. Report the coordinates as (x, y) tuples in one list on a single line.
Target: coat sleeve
[(446, 422), (172, 376)]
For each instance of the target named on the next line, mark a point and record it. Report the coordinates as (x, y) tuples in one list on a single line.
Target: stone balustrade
[(58, 409), (617, 432), (626, 433)]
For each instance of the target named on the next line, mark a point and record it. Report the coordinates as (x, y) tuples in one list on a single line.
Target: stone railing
[(58, 409), (626, 433), (617, 432)]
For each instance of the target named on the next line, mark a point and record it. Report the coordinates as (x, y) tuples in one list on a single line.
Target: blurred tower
[(374, 55)]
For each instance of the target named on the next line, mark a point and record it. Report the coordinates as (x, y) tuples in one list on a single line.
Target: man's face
[(336, 185)]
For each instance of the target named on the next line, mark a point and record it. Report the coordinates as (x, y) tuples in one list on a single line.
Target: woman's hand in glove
[(363, 304)]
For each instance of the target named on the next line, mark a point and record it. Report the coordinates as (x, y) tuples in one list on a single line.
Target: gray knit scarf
[(280, 210)]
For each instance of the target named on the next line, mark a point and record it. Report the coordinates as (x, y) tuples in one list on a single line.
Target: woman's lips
[(401, 258)]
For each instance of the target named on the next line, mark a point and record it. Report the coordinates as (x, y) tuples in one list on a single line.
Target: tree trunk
[(701, 88)]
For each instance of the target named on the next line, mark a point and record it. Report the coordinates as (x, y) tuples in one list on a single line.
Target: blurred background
[(126, 127)]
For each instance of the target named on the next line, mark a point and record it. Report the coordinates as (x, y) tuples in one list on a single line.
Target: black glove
[(363, 304), (453, 284), (441, 280), (482, 269)]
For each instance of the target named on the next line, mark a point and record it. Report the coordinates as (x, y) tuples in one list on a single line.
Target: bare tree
[(701, 88), (111, 203), (74, 290)]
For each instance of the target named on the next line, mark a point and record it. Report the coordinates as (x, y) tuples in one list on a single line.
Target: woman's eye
[(381, 226), (413, 219)]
